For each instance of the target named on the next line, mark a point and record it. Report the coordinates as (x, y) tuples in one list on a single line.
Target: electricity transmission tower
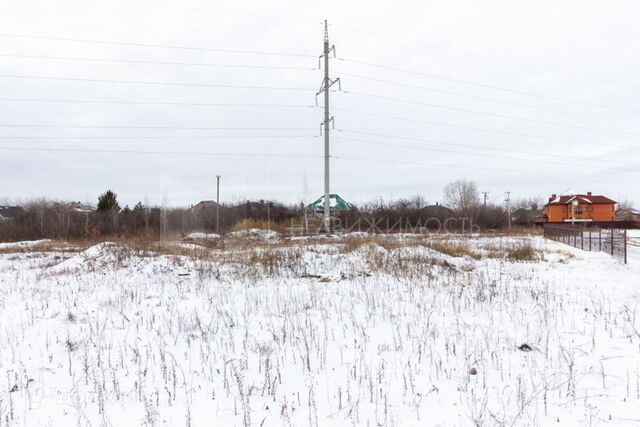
[(327, 82), (485, 194), (508, 200), (217, 203)]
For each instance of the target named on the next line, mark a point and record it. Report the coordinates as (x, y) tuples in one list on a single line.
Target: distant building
[(82, 208), (336, 204), (579, 208), (437, 211), (628, 214), (8, 213), (204, 205)]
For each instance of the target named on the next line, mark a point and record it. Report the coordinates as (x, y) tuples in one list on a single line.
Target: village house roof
[(9, 211), (204, 204), (437, 210), (79, 207), (588, 198)]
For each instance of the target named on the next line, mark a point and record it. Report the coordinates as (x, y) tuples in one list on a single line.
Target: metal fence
[(609, 240)]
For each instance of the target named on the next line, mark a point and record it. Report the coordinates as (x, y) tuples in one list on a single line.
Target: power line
[(489, 86), (185, 153), (151, 45), (262, 155), (509, 150), (305, 89), (481, 98), (490, 156), (147, 127), (483, 113), (458, 166), (176, 103), (131, 61), (492, 58), (251, 137), (143, 82), (451, 125), (154, 138)]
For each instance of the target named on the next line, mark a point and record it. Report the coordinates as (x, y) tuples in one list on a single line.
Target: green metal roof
[(338, 204)]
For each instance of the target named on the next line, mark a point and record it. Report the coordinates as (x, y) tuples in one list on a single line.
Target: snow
[(633, 240), (188, 246), (202, 236), (256, 233), (315, 332), (23, 244), (98, 256)]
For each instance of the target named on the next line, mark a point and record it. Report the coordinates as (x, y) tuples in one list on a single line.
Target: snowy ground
[(396, 331)]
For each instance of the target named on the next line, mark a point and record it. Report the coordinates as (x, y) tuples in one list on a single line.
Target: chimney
[(553, 196), (589, 193)]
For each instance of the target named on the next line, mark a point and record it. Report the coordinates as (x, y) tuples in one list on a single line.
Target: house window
[(579, 209), (564, 209)]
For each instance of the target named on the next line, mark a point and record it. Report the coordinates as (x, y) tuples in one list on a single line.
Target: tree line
[(45, 219)]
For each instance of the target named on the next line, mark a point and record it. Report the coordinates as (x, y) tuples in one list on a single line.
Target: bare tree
[(462, 196), (624, 210), (624, 205)]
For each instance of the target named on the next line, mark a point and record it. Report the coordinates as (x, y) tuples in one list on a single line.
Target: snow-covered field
[(262, 331), (634, 237)]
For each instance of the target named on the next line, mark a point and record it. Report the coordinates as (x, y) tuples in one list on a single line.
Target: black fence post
[(600, 240), (612, 241)]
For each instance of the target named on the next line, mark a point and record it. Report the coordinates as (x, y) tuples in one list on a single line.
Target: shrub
[(523, 251)]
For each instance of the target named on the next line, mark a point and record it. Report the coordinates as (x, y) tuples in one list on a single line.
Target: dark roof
[(204, 204), (629, 211), (437, 210), (10, 211), (582, 198)]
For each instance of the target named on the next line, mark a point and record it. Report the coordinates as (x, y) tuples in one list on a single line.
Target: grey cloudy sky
[(529, 97)]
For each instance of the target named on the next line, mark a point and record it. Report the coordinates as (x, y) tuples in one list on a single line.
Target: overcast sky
[(530, 97)]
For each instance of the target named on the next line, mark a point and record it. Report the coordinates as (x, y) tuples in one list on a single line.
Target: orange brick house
[(579, 208)]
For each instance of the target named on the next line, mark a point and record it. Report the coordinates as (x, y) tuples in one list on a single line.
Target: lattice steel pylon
[(327, 82)]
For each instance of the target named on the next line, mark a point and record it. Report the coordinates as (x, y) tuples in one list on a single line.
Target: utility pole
[(218, 204), (485, 194), (508, 200), (325, 87)]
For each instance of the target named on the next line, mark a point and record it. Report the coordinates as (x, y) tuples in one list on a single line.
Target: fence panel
[(612, 241)]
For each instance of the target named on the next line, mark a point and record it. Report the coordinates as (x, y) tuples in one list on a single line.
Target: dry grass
[(524, 251), (387, 241), (454, 249), (352, 244), (47, 246)]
